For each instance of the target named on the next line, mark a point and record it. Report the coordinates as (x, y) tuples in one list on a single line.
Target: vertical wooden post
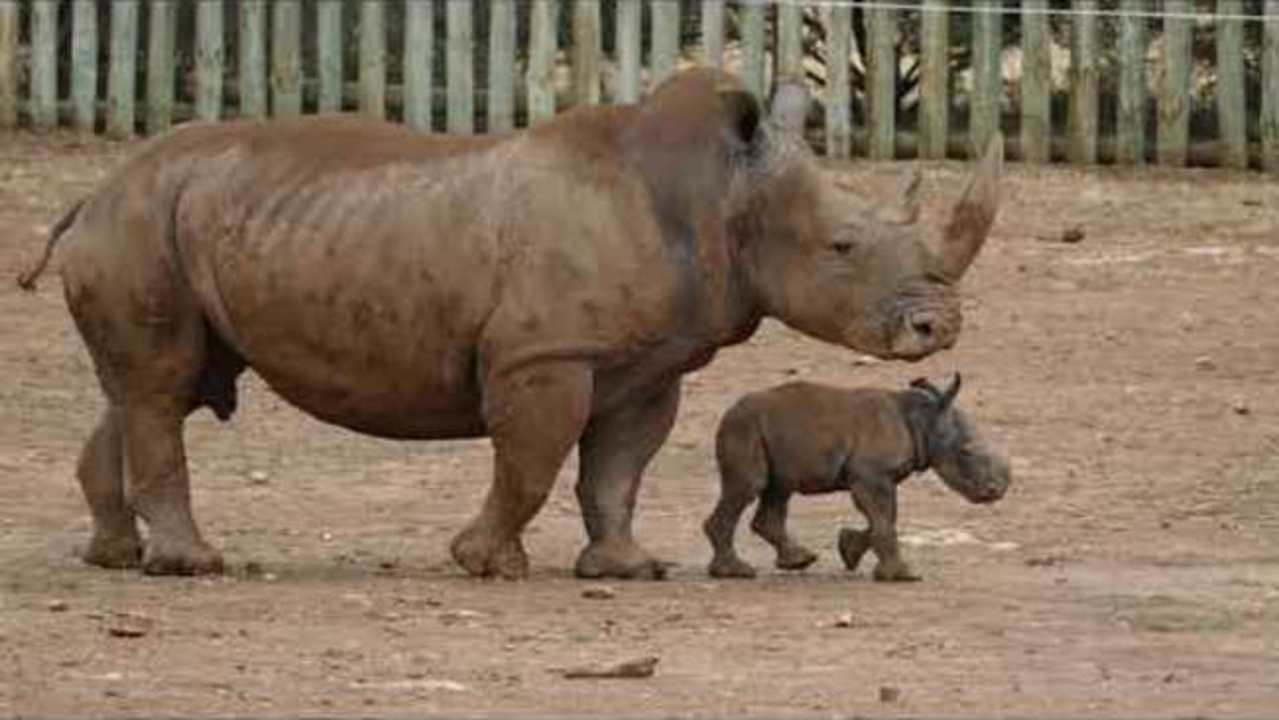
[(208, 59), (881, 36), (1130, 140), (1269, 94), (753, 20), (372, 71), (84, 64), (839, 130), (987, 78), (419, 40), (121, 81), (713, 33), (44, 65), (934, 80), (286, 59), (1083, 84), (162, 27), (790, 50), (1036, 83), (461, 73), (664, 51), (1231, 110), (328, 38), (502, 40), (8, 65), (252, 41), (541, 60), (586, 52), (628, 51), (1174, 97)]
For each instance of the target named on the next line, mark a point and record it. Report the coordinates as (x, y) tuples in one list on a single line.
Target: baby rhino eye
[(843, 247)]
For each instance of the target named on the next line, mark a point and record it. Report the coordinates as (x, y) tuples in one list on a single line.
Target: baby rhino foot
[(114, 552), (853, 544), (731, 567), (195, 558), (895, 572), (795, 557)]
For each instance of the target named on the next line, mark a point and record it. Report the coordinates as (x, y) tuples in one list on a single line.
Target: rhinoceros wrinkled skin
[(545, 288), (808, 438)]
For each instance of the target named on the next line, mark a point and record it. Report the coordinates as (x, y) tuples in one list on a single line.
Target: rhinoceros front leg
[(534, 417), (615, 450), (877, 499)]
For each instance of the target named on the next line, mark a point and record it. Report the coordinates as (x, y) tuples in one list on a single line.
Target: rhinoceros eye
[(843, 247)]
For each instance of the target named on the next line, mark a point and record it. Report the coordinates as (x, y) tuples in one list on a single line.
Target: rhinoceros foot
[(853, 544), (189, 558), (733, 567), (475, 550), (115, 552), (619, 560), (795, 557), (895, 572)]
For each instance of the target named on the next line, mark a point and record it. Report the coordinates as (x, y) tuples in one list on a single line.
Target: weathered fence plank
[(1082, 128), (541, 60), (934, 79), (328, 51), (419, 40), (629, 52), (372, 70), (121, 81), (664, 51), (1231, 109), (252, 40), (500, 111), (286, 58), (713, 33), (84, 63), (586, 52), (1036, 82), (1131, 121), (162, 28), (1174, 96), (881, 34), (987, 78), (209, 51), (753, 19), (1269, 95), (44, 65), (461, 71), (839, 27), (8, 64), (790, 49)]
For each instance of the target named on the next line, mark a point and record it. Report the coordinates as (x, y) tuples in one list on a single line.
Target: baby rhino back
[(816, 438)]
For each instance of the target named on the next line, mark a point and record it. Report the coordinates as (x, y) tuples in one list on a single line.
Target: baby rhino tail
[(27, 280)]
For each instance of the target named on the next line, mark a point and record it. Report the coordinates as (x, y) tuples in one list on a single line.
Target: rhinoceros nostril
[(922, 325)]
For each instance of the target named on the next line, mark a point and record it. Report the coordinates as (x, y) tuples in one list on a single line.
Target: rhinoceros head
[(867, 277), (956, 449)]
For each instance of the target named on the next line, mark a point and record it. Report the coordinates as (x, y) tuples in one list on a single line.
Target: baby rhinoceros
[(806, 438)]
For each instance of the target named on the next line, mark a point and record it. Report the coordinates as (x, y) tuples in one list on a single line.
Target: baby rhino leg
[(770, 524), (743, 472), (877, 500)]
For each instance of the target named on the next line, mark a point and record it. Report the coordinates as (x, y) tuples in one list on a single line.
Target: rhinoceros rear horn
[(790, 105), (974, 214)]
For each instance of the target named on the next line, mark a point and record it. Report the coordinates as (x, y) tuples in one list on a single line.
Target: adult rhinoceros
[(545, 288)]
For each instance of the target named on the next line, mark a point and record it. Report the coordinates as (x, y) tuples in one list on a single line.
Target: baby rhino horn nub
[(974, 214)]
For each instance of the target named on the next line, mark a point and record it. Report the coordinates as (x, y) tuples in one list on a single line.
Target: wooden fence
[(116, 66)]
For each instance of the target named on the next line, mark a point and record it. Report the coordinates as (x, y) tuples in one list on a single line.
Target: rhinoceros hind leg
[(770, 523), (534, 418), (115, 542), (615, 450)]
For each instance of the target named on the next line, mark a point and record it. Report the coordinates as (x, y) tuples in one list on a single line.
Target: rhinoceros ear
[(948, 397), (743, 116), (790, 105)]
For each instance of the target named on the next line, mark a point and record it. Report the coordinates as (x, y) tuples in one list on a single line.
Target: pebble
[(1240, 407), (57, 605), (845, 620), (1205, 362), (259, 477), (599, 592), (889, 694)]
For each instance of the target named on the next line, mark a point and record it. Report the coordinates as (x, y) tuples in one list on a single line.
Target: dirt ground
[(1132, 570)]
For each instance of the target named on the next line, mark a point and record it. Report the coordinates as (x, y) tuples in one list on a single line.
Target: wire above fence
[(1018, 11)]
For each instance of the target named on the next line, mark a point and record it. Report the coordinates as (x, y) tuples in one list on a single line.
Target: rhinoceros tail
[(27, 280)]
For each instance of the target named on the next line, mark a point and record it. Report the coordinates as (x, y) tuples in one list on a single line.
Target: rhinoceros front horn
[(974, 214)]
